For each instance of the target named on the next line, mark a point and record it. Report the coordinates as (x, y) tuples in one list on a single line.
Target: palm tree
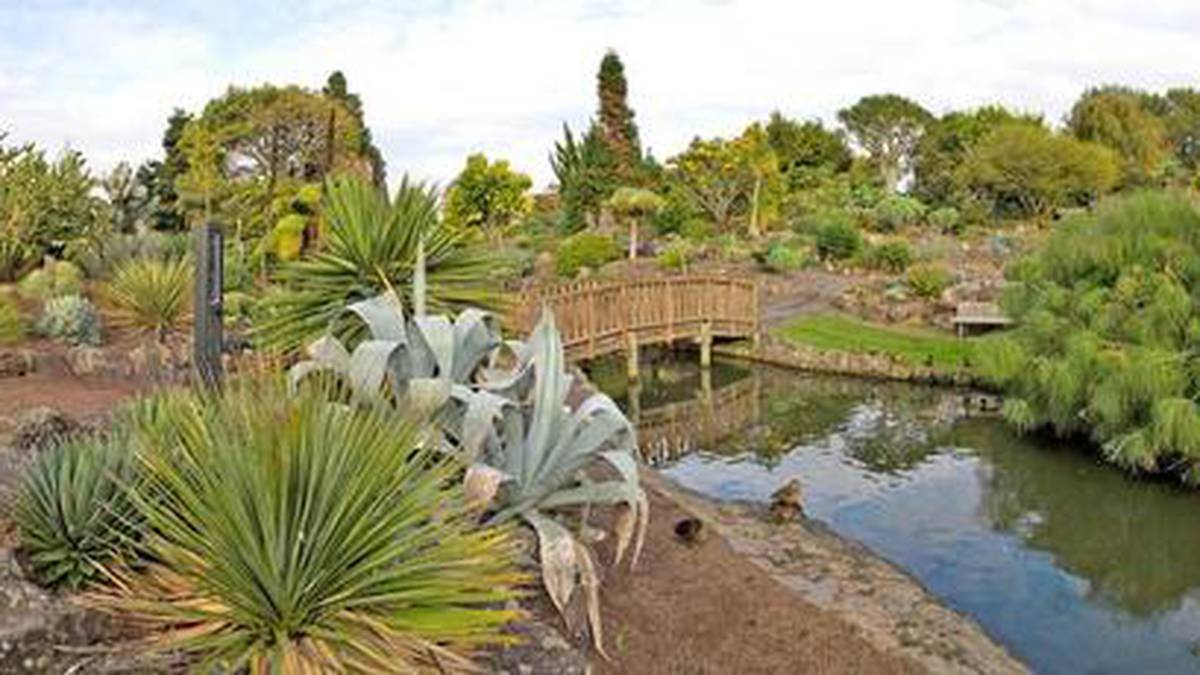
[(633, 204)]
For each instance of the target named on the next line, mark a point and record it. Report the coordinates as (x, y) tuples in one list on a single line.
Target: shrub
[(897, 211), (55, 279), (675, 256), (891, 256), (732, 248), (102, 256), (946, 219), (928, 280), (71, 319), (782, 257), (585, 249), (838, 241), (74, 512), (12, 327), (291, 535), (150, 296)]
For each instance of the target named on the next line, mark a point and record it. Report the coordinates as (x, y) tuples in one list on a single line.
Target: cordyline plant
[(530, 457), (287, 535)]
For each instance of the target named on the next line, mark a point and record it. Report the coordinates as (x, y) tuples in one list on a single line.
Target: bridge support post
[(706, 340), (631, 356)]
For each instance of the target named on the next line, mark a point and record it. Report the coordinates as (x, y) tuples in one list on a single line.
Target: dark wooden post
[(207, 328)]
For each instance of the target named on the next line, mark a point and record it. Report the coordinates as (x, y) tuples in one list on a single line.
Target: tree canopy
[(1118, 118), (1027, 170), (945, 145), (805, 146), (489, 196), (887, 127)]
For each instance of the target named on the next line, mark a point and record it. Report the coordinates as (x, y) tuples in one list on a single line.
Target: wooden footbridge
[(598, 317)]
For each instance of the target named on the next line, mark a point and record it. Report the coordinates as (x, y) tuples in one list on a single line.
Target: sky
[(441, 80)]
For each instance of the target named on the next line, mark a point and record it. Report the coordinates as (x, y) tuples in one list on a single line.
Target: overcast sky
[(440, 80)]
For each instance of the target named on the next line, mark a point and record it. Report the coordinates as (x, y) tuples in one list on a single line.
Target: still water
[(1070, 564)]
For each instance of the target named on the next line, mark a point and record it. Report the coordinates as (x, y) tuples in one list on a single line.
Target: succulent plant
[(71, 319)]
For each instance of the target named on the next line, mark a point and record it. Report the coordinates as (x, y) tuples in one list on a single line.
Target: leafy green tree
[(488, 197), (160, 178), (44, 204), (727, 179), (634, 204), (583, 169), (1117, 117), (1027, 170), (614, 120), (887, 127), (1180, 111), (1108, 334), (803, 147), (945, 145), (337, 89)]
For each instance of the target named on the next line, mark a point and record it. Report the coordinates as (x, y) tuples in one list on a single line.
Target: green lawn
[(915, 346)]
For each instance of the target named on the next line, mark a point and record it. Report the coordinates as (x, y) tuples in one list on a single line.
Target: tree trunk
[(633, 238), (754, 231)]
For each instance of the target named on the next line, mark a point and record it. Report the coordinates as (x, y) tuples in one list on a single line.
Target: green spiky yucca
[(74, 513), (368, 245), (151, 296), (289, 535)]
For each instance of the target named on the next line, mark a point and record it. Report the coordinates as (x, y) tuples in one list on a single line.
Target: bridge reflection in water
[(672, 430)]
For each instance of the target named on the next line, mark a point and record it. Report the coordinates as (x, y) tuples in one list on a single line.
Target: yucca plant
[(74, 512), (289, 535), (369, 244), (151, 296)]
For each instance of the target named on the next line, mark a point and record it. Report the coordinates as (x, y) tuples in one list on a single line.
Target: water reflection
[(1071, 564)]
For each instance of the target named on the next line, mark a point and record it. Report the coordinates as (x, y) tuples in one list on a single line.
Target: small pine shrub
[(784, 258), (898, 211), (946, 219), (12, 327), (838, 241), (891, 256), (55, 279), (675, 256), (585, 249), (71, 319), (74, 513), (928, 280)]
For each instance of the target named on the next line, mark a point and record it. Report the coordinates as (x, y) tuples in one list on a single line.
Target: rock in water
[(787, 503)]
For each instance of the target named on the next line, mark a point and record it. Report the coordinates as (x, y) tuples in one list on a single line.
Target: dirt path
[(706, 609), (805, 292)]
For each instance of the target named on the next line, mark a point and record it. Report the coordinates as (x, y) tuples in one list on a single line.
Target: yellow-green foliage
[(12, 327), (286, 240), (675, 256), (928, 280), (1108, 331), (585, 249), (151, 296), (295, 536), (55, 279)]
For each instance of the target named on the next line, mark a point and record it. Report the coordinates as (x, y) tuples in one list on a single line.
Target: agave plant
[(540, 459), (369, 244), (151, 296), (289, 535), (74, 513)]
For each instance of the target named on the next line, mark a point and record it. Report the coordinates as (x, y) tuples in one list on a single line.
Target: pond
[(1070, 564)]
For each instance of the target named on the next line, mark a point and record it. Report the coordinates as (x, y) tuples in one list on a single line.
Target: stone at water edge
[(787, 503)]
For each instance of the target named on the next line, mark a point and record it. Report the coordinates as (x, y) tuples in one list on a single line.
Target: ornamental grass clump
[(1108, 332), (151, 297), (288, 534), (74, 512)]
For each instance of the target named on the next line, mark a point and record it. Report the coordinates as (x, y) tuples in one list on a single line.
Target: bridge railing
[(597, 317)]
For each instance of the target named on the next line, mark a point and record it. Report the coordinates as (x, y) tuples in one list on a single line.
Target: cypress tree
[(616, 126), (337, 89)]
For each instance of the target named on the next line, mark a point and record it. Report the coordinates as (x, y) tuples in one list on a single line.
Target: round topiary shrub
[(784, 258), (585, 249), (928, 280), (838, 241)]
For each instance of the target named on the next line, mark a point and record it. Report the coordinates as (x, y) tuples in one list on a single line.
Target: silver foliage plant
[(502, 406)]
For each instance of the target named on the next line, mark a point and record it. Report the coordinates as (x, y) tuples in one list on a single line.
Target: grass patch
[(914, 346)]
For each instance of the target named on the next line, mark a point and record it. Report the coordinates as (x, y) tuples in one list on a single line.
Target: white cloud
[(441, 81)]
